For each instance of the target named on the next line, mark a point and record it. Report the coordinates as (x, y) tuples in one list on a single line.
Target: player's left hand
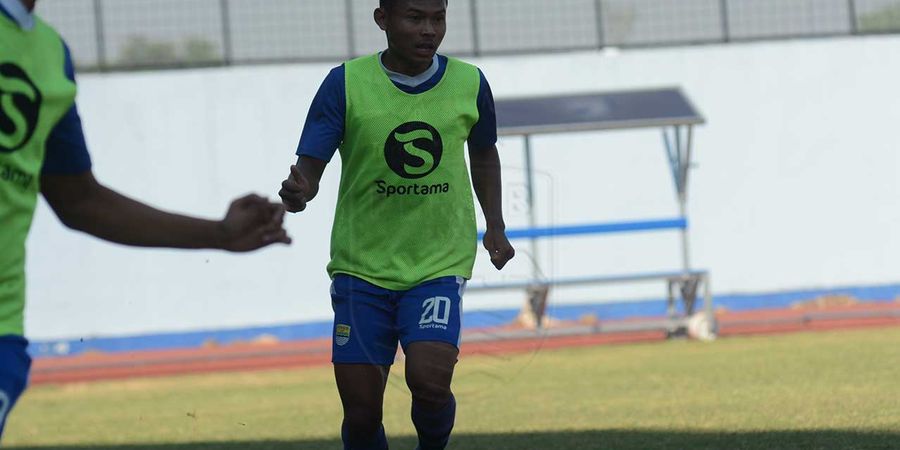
[(498, 247), (251, 223)]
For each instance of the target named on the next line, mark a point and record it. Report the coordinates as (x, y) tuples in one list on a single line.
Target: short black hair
[(387, 4)]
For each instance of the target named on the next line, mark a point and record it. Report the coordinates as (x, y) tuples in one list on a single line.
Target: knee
[(424, 387), (429, 371), (363, 421)]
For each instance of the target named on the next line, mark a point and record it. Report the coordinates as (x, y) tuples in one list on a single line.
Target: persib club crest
[(342, 334)]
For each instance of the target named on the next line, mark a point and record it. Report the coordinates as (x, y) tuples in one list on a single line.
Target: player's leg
[(430, 325), (364, 346), (429, 371), (361, 387), (14, 366)]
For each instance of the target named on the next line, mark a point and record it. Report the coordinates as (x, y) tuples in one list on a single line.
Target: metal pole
[(351, 36), (476, 34), (723, 16), (670, 155), (671, 311), (226, 32), (851, 11), (598, 12), (687, 160), (98, 30), (708, 306), (529, 197), (679, 160), (682, 197), (685, 256)]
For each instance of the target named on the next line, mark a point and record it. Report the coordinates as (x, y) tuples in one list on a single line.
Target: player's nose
[(429, 30)]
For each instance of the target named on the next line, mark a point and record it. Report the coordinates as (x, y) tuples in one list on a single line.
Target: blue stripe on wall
[(600, 228)]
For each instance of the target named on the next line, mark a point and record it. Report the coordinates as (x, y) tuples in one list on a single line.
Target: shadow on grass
[(607, 439)]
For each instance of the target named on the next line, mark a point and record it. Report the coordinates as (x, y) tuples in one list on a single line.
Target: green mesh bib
[(34, 96), (405, 212)]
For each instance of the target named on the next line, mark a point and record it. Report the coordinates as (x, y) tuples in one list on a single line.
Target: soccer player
[(42, 149), (404, 236)]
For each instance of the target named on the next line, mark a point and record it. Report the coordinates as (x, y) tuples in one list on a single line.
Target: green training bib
[(405, 212), (34, 95)]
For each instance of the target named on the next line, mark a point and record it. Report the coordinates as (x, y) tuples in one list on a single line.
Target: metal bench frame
[(666, 108)]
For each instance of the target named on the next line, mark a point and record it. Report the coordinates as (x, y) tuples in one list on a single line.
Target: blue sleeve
[(67, 152), (324, 129), (484, 133)]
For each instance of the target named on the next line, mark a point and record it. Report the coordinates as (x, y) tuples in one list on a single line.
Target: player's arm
[(486, 179), (485, 166), (321, 136), (302, 185), (84, 204)]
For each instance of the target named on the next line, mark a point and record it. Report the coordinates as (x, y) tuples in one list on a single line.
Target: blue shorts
[(369, 320), (14, 366)]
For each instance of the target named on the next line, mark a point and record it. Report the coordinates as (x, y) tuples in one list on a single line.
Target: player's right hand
[(251, 223), (295, 191)]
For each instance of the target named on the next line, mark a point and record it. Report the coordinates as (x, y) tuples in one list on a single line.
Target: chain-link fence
[(126, 34)]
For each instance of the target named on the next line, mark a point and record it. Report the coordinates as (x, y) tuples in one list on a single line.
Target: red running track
[(266, 356)]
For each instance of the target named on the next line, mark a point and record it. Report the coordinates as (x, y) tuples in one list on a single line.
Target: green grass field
[(837, 390)]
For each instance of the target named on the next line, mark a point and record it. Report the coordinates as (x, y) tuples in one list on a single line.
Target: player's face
[(415, 28), (29, 4)]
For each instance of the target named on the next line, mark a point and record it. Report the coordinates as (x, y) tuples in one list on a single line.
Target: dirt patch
[(589, 319), (826, 302)]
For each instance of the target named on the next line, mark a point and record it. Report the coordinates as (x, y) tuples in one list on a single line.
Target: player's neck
[(404, 66), (19, 12)]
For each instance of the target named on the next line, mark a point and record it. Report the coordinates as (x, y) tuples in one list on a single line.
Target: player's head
[(387, 4), (414, 28), (29, 4)]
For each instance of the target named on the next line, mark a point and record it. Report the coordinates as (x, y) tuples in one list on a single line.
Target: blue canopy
[(656, 108)]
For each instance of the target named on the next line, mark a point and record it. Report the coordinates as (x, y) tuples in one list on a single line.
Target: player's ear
[(381, 18)]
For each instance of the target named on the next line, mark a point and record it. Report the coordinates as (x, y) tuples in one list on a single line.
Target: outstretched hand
[(295, 191), (251, 223), (498, 247)]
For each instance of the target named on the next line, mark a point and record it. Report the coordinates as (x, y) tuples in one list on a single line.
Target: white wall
[(796, 184)]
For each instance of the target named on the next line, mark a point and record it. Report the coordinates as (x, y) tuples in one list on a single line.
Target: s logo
[(20, 103), (413, 150)]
